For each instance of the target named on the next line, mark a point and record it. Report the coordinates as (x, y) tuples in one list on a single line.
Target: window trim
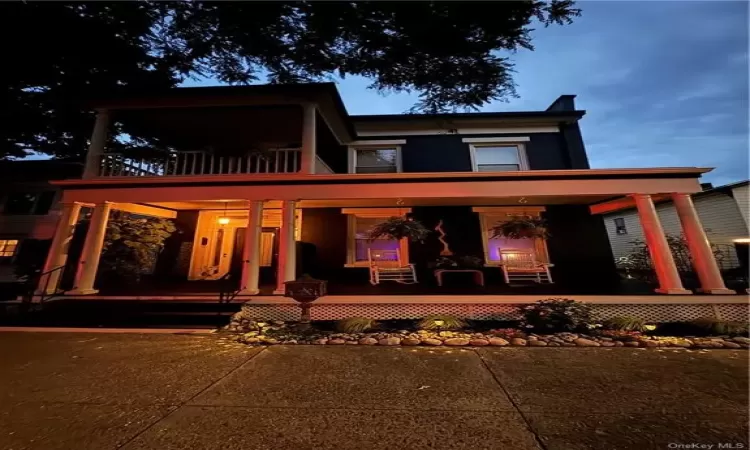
[(4, 260), (523, 162), (32, 210), (485, 216), (370, 213), (375, 145)]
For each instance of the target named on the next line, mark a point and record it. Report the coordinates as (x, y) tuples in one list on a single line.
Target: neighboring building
[(275, 181), (723, 211), (29, 210)]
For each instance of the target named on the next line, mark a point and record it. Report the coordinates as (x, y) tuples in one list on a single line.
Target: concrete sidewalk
[(111, 391)]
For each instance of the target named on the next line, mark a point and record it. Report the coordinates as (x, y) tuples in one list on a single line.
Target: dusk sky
[(664, 83)]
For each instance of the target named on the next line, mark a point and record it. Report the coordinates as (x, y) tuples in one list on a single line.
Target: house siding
[(718, 212), (448, 153), (742, 198)]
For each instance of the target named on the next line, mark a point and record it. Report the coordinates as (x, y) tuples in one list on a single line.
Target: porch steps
[(126, 313)]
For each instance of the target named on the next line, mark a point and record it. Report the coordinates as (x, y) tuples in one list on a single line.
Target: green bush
[(356, 325), (441, 322), (713, 327), (555, 315), (625, 323)]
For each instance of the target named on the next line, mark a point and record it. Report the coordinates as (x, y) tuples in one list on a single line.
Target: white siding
[(718, 212), (742, 197)]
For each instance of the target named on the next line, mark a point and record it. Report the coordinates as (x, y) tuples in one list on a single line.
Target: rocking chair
[(521, 265), (386, 265)]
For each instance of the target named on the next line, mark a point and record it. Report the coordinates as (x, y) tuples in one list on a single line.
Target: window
[(497, 158), (620, 226), (375, 156), (491, 216), (381, 160), (361, 221), (22, 203), (8, 248)]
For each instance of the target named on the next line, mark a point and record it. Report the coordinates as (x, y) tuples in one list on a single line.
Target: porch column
[(96, 146), (287, 262), (92, 250), (308, 139), (701, 253), (666, 270), (58, 251), (251, 251)]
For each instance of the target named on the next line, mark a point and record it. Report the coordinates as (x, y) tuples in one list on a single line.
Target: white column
[(251, 250), (287, 261), (309, 151), (96, 146), (92, 250), (701, 253), (58, 250), (661, 256)]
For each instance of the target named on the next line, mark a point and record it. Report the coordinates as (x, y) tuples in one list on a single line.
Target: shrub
[(555, 315), (625, 323), (441, 322), (710, 326), (356, 325)]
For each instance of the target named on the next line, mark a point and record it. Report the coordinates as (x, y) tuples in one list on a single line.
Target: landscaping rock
[(390, 341), (479, 342), (368, 341), (619, 344), (320, 341), (252, 340), (410, 341), (632, 344), (537, 343), (682, 343), (518, 342), (456, 342), (568, 344), (581, 342), (532, 338), (498, 342), (352, 342), (553, 344), (432, 342), (728, 344), (649, 344), (607, 344), (741, 340), (336, 341)]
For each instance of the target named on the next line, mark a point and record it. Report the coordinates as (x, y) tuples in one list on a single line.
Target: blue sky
[(664, 83)]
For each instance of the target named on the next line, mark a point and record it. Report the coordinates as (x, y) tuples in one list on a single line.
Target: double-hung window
[(361, 221), (375, 157), (498, 154)]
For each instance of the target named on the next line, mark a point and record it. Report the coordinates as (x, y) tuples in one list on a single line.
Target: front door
[(269, 251)]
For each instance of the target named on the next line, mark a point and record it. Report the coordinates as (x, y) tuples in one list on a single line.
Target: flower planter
[(305, 291)]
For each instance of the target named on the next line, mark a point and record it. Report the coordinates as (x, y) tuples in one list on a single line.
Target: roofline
[(478, 115)]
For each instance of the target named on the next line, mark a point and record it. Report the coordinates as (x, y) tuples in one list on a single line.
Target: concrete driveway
[(133, 391)]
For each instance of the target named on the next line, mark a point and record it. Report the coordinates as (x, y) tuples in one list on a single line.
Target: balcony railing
[(286, 160)]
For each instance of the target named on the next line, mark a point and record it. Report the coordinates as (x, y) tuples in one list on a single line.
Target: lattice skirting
[(497, 311)]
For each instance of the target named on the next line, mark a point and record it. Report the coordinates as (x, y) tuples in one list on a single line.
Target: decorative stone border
[(276, 332)]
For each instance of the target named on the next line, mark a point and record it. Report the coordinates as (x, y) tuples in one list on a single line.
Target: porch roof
[(593, 185)]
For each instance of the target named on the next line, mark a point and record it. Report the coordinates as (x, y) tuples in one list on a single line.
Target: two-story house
[(274, 181)]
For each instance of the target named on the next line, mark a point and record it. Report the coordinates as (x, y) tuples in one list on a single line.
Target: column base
[(279, 291), (82, 292), (717, 291), (248, 292), (673, 291)]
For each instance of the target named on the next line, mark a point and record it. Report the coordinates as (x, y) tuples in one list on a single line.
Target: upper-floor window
[(497, 154), (375, 157), (8, 248), (620, 226), (21, 203)]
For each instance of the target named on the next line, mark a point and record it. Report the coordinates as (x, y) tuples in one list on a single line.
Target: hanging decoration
[(445, 251)]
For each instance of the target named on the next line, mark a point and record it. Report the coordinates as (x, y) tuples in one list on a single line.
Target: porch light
[(742, 241), (439, 323), (223, 220)]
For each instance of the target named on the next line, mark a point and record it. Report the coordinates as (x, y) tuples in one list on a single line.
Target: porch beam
[(144, 210), (701, 253)]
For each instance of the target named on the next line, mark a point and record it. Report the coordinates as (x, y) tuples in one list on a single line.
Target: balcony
[(191, 163)]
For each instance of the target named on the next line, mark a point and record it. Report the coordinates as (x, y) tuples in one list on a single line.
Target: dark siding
[(324, 233), (447, 153), (328, 147), (575, 150), (580, 250)]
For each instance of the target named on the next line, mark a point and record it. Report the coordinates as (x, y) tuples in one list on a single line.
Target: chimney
[(706, 186), (563, 103)]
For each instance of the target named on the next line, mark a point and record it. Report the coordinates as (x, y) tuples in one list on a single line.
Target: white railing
[(283, 160)]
